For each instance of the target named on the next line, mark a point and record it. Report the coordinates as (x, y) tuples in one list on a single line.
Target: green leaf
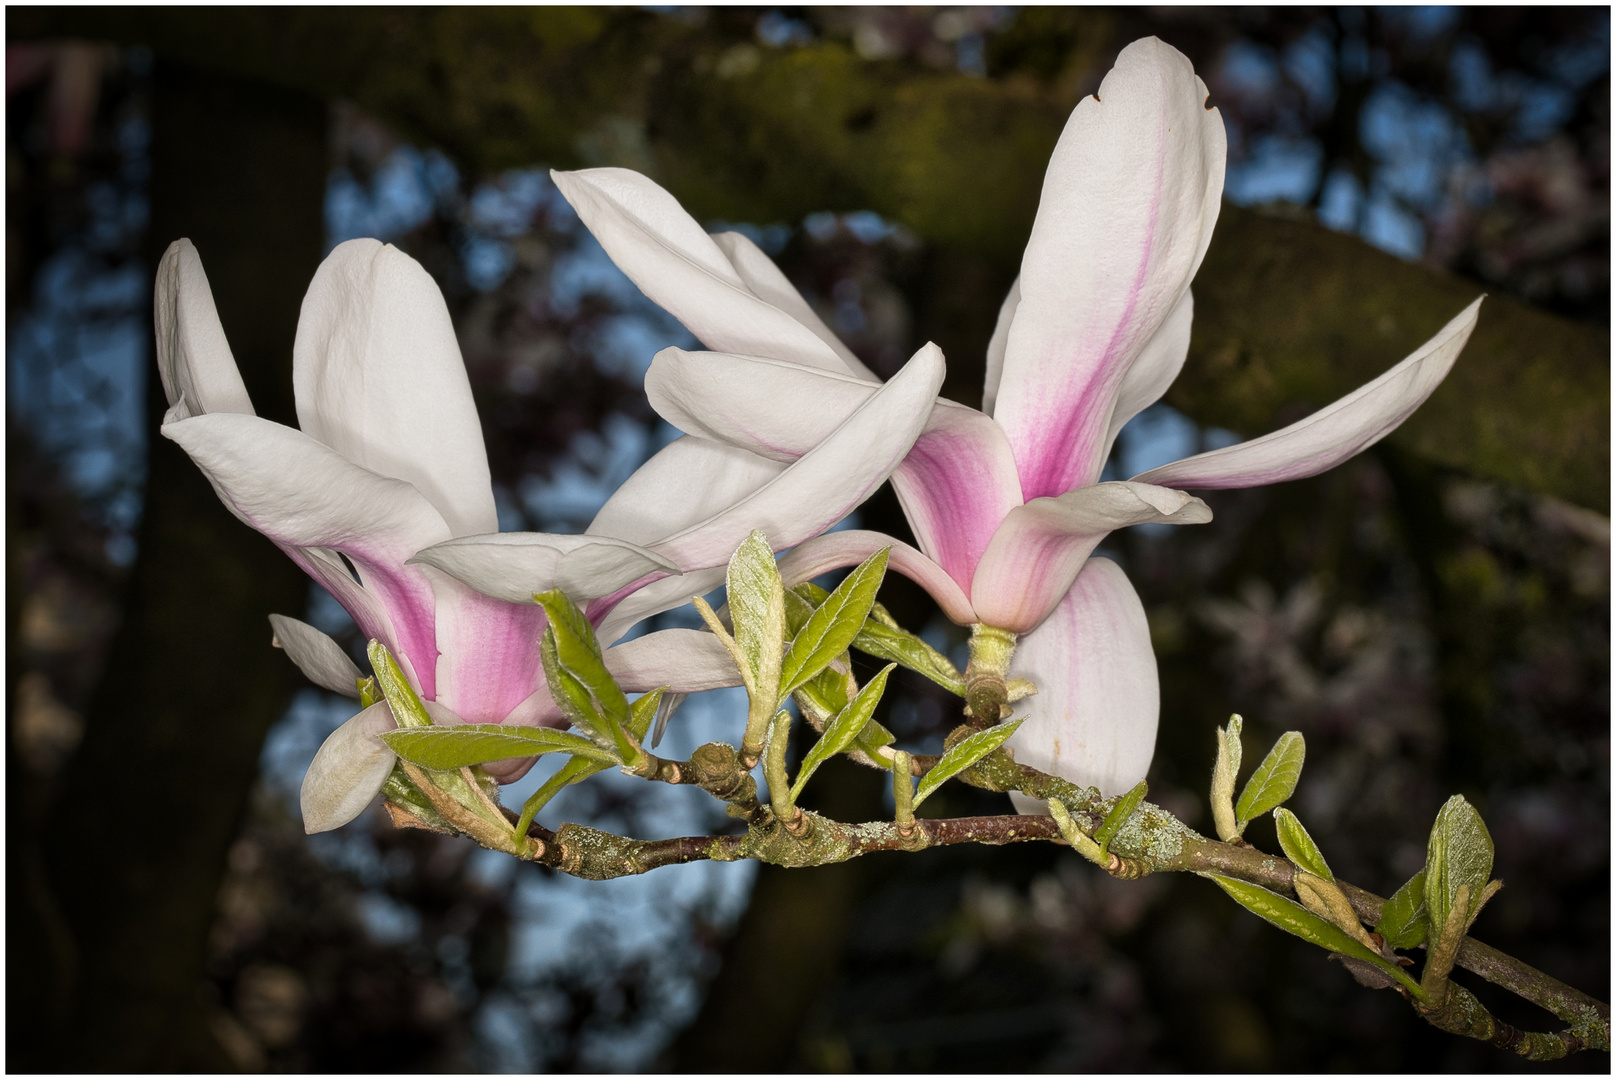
[(643, 711), (1274, 780), (873, 738), (573, 771), (1299, 847), (801, 600), (1460, 852), (843, 728), (1119, 814), (1293, 918), (570, 695), (757, 611), (966, 752), (1402, 920), (901, 647), (579, 653), (474, 744), (401, 697), (834, 624)]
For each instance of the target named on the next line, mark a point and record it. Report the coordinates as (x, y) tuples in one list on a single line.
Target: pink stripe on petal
[(850, 547), (1127, 210), (956, 485), (489, 651)]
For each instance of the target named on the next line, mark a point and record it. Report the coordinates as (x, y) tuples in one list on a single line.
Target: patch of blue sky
[(624, 345), (1417, 142), (585, 271), (772, 238), (596, 464), (1247, 69), (507, 205), (488, 261), (779, 30), (1310, 63), (403, 194), (1390, 227), (1278, 167), (1581, 61)]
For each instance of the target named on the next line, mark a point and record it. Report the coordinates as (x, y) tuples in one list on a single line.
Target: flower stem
[(987, 675)]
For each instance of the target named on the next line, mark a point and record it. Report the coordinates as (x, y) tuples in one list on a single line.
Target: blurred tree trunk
[(137, 841)]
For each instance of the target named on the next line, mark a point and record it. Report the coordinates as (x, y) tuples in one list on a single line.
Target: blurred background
[(1434, 615)]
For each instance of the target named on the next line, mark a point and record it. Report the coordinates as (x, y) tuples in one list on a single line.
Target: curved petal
[(1127, 210), (316, 655), (683, 660), (514, 566), (379, 379), (663, 251), (351, 766), (488, 651), (956, 484), (1334, 433), (768, 284), (824, 484), (773, 408), (850, 547), (193, 358), (997, 344), (1158, 365), (686, 482), (1093, 720), (347, 771), (1041, 547), (302, 494)]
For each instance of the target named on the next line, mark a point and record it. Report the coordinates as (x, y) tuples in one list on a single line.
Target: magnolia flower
[(387, 477), (1006, 503)]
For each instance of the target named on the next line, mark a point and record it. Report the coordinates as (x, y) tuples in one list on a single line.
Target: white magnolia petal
[(1334, 433), (773, 408), (686, 661), (488, 650), (663, 251), (1093, 720), (1158, 365), (379, 379), (302, 494), (767, 283), (685, 482), (997, 344), (1041, 547), (823, 485), (849, 547), (316, 655), (1129, 202), (347, 771), (514, 566), (193, 358)]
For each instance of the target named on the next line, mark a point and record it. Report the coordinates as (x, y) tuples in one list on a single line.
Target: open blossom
[(386, 477), (1006, 502)]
